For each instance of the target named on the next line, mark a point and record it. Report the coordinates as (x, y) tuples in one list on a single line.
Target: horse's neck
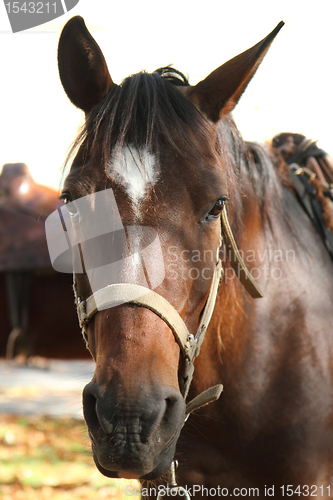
[(281, 249)]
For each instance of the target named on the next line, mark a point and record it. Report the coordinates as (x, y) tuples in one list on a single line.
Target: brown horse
[(174, 160)]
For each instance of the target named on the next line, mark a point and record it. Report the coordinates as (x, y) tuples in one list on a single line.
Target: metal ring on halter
[(172, 485)]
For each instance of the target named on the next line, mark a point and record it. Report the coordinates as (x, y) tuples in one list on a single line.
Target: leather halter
[(189, 344)]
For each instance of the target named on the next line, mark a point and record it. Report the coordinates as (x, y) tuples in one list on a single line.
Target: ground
[(43, 458)]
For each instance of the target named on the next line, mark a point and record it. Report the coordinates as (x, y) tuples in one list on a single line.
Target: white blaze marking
[(136, 170)]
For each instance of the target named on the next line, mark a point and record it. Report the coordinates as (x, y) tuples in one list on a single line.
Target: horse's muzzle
[(133, 436)]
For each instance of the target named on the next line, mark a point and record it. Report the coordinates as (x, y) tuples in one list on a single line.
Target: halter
[(189, 344)]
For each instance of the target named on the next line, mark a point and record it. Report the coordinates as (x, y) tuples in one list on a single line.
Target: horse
[(173, 159)]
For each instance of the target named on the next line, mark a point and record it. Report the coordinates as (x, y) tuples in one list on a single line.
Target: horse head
[(154, 144)]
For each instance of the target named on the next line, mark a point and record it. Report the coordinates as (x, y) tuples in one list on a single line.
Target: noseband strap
[(113, 295)]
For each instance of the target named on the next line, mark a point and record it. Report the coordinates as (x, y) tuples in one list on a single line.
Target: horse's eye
[(66, 197), (217, 208)]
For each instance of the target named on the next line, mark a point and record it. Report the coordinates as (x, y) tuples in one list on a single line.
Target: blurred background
[(44, 449)]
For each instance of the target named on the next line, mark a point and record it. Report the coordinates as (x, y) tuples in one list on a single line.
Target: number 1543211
[(31, 7), (306, 491)]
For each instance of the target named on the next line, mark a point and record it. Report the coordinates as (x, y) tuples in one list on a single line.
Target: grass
[(44, 458)]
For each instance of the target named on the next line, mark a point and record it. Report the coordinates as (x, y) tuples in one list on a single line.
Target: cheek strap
[(235, 259)]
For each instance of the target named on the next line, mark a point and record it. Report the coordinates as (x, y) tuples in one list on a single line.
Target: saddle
[(24, 206), (311, 175)]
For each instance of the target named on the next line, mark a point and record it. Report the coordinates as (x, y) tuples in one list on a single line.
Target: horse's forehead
[(136, 170)]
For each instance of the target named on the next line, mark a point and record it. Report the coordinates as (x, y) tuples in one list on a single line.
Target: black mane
[(145, 110)]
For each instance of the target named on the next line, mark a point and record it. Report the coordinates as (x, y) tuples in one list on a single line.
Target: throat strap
[(206, 397)]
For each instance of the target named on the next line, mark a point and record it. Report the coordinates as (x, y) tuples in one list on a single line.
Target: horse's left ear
[(82, 67), (219, 93)]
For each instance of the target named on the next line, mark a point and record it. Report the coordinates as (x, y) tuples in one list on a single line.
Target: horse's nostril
[(89, 410), (170, 404), (94, 418)]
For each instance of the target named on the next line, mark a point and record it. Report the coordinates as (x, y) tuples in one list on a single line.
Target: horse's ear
[(219, 93), (82, 67)]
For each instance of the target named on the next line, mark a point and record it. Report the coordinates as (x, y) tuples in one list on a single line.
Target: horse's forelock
[(145, 111)]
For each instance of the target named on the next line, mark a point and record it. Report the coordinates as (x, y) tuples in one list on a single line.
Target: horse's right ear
[(219, 93), (82, 67)]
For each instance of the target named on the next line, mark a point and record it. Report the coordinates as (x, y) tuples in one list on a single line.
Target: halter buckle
[(190, 345), (82, 313)]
